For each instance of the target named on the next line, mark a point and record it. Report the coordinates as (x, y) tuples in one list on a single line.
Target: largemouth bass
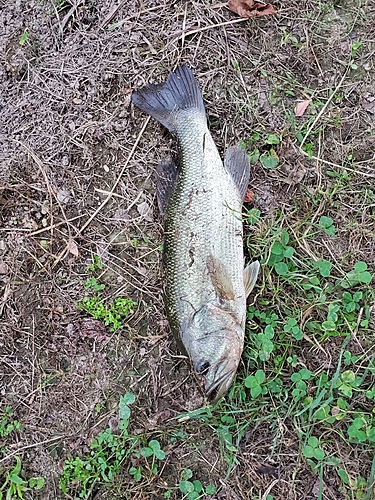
[(206, 284)]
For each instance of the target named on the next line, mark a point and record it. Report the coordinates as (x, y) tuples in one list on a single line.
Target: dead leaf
[(345, 46), (368, 102), (29, 223), (73, 249), (301, 107), (144, 209), (249, 196), (4, 269), (63, 196), (249, 8)]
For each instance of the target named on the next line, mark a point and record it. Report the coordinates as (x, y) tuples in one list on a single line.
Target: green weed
[(14, 485), (7, 423), (24, 37), (193, 488), (97, 264), (109, 451), (112, 314)]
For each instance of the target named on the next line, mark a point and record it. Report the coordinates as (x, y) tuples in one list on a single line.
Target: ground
[(78, 211)]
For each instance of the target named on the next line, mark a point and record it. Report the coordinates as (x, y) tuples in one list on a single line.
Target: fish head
[(216, 351), (223, 364)]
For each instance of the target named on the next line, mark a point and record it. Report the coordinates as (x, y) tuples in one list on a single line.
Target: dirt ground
[(77, 179)]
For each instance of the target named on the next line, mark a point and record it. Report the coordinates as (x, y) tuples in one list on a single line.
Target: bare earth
[(77, 179)]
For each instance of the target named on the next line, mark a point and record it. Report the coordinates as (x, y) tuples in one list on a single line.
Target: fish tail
[(164, 101)]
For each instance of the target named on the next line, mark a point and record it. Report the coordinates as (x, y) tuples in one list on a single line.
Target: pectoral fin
[(220, 278), (238, 165), (250, 276)]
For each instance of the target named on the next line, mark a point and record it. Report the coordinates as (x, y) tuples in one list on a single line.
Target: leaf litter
[(66, 380), (301, 107), (250, 8)]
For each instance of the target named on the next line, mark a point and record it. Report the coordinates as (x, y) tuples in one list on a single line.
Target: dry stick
[(68, 15), (34, 445), (107, 192), (120, 23), (117, 180), (323, 109), (365, 174), (205, 28), (183, 34), (53, 226), (49, 188), (275, 481)]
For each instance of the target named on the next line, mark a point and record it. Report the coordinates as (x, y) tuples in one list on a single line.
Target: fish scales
[(205, 205), (205, 282)]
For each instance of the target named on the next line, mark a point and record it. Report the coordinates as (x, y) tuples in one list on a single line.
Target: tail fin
[(165, 100)]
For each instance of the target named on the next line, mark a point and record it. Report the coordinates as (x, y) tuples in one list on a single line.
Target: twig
[(359, 172), (102, 191), (266, 493), (323, 109), (28, 446), (205, 28), (54, 225), (116, 182), (69, 14)]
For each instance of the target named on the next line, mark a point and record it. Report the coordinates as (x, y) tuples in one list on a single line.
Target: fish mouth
[(219, 379)]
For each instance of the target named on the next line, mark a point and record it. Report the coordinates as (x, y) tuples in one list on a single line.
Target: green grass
[(13, 483), (112, 450), (307, 301)]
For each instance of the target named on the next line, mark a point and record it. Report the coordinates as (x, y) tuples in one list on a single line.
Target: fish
[(200, 197)]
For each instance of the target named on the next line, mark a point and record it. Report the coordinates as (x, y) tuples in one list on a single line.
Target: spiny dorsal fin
[(250, 275)]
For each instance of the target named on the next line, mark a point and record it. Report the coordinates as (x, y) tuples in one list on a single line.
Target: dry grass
[(77, 168)]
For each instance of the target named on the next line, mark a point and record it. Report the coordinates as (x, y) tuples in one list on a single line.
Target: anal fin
[(238, 165), (250, 276)]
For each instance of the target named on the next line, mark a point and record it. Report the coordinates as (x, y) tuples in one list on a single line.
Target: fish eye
[(201, 366)]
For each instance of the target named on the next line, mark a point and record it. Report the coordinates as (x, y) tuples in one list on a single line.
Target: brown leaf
[(249, 8), (73, 249), (269, 470), (4, 268), (301, 107), (368, 102), (249, 196), (145, 210)]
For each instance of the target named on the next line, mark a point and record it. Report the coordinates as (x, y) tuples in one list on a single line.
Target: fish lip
[(220, 385)]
